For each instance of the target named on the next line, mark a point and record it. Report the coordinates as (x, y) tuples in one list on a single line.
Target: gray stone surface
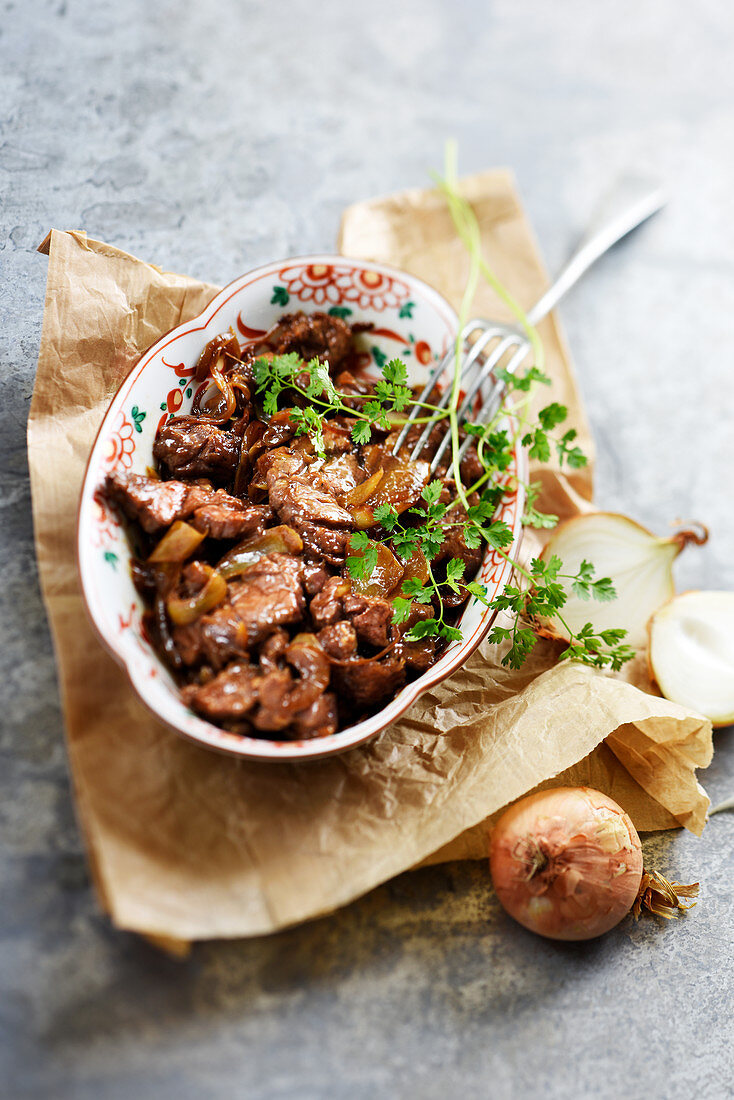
[(208, 138)]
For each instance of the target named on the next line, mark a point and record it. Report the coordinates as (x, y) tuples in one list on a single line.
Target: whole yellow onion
[(566, 863)]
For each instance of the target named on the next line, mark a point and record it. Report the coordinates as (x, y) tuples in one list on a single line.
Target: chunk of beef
[(313, 336), (268, 594), (337, 433), (326, 542), (154, 504), (453, 599), (272, 651), (189, 447), (471, 468), (294, 494), (336, 474), (215, 639), (435, 437), (226, 517), (308, 660), (418, 655), (223, 637), (319, 720), (348, 383), (230, 695), (339, 474), (315, 577), (368, 683), (187, 640), (271, 716), (282, 697), (339, 640), (418, 613), (327, 606), (371, 617), (302, 502), (157, 504)]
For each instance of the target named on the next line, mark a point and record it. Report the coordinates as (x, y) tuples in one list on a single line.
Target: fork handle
[(630, 203)]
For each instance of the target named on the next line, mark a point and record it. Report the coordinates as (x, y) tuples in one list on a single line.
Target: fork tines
[(492, 344)]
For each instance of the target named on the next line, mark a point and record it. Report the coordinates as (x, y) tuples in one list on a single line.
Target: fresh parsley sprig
[(544, 597), (288, 375), (464, 503)]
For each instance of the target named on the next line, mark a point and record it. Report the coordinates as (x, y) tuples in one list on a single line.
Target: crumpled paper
[(185, 844)]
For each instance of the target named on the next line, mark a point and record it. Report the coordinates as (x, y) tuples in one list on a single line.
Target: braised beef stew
[(245, 528)]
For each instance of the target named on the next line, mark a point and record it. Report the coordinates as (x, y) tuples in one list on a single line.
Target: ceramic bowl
[(410, 320)]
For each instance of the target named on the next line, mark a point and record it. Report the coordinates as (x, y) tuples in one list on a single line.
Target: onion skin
[(566, 863)]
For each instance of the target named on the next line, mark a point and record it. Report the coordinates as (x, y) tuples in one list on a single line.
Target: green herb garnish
[(538, 591)]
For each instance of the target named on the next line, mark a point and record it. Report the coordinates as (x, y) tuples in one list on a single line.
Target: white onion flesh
[(639, 564), (692, 653)]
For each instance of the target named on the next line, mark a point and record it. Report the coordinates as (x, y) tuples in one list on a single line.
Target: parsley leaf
[(362, 565), (455, 570), (395, 371), (432, 492), (362, 432), (422, 629), (402, 610), (552, 415), (386, 515)]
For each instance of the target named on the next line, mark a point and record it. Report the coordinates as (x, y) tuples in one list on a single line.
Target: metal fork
[(631, 202)]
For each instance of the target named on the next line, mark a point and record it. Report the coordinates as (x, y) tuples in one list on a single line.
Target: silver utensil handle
[(631, 202)]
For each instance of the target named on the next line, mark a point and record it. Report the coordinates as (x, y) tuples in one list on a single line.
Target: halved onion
[(638, 562), (691, 653)]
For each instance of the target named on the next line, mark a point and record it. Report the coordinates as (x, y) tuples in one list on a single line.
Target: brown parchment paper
[(185, 844)]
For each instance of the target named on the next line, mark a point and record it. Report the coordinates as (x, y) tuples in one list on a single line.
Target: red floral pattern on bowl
[(409, 319), (121, 443), (333, 284)]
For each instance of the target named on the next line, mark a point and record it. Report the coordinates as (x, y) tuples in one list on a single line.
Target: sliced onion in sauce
[(415, 566), (360, 493), (386, 576), (218, 414), (178, 543), (401, 486), (276, 540), (214, 350), (249, 450), (183, 611)]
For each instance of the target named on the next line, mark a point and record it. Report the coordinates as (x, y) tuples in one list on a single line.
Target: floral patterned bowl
[(410, 320)]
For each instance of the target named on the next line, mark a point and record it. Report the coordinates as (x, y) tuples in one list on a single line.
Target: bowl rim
[(266, 750)]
